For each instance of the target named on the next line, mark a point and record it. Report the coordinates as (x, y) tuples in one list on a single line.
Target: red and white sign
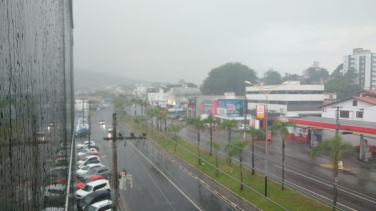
[(260, 111), (340, 165), (269, 135)]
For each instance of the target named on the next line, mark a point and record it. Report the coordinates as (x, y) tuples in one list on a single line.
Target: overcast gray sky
[(168, 40)]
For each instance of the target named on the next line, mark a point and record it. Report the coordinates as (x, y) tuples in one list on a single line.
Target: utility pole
[(114, 178), (337, 118), (115, 139), (83, 110), (89, 126), (245, 114)]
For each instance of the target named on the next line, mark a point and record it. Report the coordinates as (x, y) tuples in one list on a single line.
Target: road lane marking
[(189, 199), (227, 201)]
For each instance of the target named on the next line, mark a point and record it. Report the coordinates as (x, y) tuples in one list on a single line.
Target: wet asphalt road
[(157, 183)]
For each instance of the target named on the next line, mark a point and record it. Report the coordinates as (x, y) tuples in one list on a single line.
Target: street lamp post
[(266, 91)]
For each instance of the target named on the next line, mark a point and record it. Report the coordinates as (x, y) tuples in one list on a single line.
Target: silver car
[(103, 171)]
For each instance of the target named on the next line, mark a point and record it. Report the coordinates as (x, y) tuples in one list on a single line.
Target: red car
[(58, 181), (89, 179), (60, 156), (89, 153), (372, 148)]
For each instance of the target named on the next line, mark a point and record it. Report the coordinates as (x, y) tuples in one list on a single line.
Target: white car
[(55, 193), (88, 160), (87, 167), (104, 205), (85, 144), (91, 187), (83, 152), (110, 129)]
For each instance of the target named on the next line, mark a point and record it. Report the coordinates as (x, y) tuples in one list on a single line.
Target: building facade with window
[(364, 63), (290, 100), (360, 108)]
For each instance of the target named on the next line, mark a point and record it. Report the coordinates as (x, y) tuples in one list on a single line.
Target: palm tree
[(254, 133), (228, 124), (216, 147), (283, 128), (158, 112), (164, 120), (210, 120), (136, 121), (199, 126), (236, 148), (335, 146), (118, 103), (151, 115), (174, 129)]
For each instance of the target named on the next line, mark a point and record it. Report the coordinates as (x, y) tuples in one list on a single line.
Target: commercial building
[(357, 122), (290, 100), (364, 63)]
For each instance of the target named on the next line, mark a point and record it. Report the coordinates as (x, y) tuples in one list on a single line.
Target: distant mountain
[(89, 79)]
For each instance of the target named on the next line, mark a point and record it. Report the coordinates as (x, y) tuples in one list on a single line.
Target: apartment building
[(364, 63)]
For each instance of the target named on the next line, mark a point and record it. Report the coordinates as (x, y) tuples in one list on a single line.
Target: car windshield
[(92, 171), (85, 159), (87, 180), (85, 167), (87, 188), (88, 199), (91, 208)]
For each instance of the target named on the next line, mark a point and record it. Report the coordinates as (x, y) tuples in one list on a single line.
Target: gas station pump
[(366, 153)]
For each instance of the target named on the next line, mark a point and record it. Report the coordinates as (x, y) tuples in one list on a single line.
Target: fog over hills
[(89, 79)]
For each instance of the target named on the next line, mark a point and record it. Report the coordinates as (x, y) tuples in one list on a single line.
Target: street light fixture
[(266, 91)]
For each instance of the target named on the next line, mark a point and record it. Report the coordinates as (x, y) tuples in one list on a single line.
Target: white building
[(362, 108), (157, 98), (364, 63), (290, 100)]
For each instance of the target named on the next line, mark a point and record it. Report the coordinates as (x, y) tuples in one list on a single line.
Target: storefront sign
[(260, 111), (230, 107)]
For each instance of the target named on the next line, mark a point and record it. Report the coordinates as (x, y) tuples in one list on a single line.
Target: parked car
[(62, 162), (86, 143), (58, 181), (91, 187), (55, 194), (103, 171), (87, 167), (83, 152), (89, 179), (88, 154), (99, 206), (372, 148), (182, 118), (60, 156), (88, 160), (93, 198)]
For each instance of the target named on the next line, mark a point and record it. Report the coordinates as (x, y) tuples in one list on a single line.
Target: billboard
[(230, 107), (260, 111)]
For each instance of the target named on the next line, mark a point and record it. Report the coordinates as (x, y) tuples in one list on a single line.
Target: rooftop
[(364, 99), (324, 122)]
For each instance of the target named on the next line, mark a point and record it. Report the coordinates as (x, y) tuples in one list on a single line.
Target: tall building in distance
[(364, 63)]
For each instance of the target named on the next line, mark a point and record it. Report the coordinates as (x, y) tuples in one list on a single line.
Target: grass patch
[(287, 198)]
